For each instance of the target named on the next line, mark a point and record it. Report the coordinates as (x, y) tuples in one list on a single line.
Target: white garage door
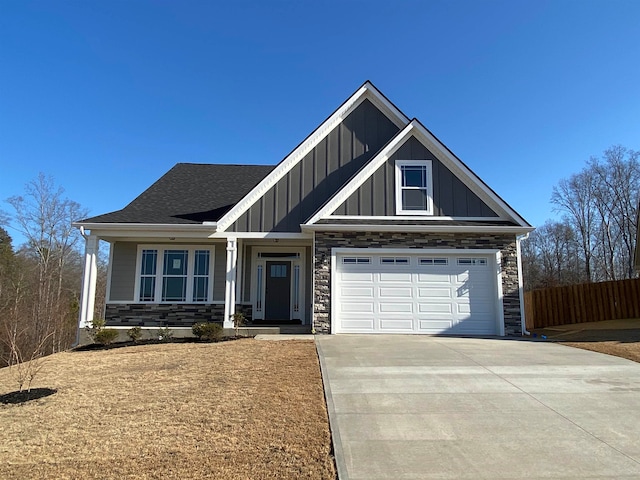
[(415, 293)]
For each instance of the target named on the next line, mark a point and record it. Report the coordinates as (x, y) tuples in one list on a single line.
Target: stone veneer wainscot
[(325, 241)]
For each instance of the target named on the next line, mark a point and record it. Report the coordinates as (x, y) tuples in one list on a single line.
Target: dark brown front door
[(278, 291)]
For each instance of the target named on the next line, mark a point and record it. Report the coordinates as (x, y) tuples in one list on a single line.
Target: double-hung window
[(414, 187), (176, 274)]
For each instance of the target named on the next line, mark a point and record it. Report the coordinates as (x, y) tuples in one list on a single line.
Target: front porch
[(162, 282)]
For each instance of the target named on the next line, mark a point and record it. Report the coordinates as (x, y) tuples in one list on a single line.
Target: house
[(370, 225)]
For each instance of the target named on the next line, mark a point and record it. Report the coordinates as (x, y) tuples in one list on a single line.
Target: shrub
[(135, 334), (165, 334), (207, 331), (106, 336), (97, 324), (238, 321)]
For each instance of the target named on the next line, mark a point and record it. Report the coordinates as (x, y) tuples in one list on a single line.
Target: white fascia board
[(369, 169), (268, 235), (367, 91), (515, 230)]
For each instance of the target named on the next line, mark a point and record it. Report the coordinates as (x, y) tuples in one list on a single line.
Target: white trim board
[(367, 91), (442, 153)]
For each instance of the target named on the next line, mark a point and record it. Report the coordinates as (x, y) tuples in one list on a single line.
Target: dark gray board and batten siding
[(451, 197), (320, 174)]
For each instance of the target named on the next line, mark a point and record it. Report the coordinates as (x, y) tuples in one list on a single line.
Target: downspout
[(523, 320)]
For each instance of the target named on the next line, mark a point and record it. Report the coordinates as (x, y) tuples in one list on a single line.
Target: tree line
[(40, 280), (595, 238)]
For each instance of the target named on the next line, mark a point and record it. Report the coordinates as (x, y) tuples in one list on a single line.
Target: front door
[(277, 296)]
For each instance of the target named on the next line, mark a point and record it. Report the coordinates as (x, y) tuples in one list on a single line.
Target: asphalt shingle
[(189, 194)]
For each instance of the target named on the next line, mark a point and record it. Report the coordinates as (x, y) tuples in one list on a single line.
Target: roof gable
[(319, 174), (366, 92), (452, 163)]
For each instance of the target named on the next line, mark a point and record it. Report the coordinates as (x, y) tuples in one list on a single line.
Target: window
[(472, 261), (394, 260), (352, 260), (175, 274), (278, 271), (434, 261), (414, 187)]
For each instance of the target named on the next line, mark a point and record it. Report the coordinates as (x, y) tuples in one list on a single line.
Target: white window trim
[(398, 172), (190, 269)]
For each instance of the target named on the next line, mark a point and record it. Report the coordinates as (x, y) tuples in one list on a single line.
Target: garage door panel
[(437, 278), (434, 325), (417, 297), (386, 307), (396, 324), (436, 293), (395, 277), (435, 308), (395, 292)]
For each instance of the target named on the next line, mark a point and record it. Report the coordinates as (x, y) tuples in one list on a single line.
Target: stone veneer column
[(325, 241)]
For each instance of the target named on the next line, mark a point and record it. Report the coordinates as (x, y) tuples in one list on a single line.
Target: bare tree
[(551, 257), (575, 198), (43, 215), (601, 205)]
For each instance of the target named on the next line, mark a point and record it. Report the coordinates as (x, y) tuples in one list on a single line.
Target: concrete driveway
[(415, 407)]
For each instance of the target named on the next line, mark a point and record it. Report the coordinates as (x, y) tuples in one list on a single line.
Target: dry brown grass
[(235, 410), (613, 337)]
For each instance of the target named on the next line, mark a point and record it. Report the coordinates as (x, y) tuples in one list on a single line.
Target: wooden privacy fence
[(587, 302)]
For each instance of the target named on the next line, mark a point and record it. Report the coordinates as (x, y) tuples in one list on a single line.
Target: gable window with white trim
[(414, 187), (175, 274)]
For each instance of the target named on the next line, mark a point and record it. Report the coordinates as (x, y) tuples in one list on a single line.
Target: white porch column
[(89, 277), (230, 283)]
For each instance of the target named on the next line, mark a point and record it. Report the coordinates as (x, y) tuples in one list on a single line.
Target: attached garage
[(416, 291)]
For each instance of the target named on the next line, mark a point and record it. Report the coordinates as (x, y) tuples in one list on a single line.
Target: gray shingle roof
[(189, 193)]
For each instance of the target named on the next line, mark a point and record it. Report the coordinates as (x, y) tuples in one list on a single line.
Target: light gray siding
[(451, 197), (123, 271), (320, 173)]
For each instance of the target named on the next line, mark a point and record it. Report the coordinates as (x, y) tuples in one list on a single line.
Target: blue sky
[(106, 96)]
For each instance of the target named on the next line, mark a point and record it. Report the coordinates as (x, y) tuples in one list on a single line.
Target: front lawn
[(244, 409)]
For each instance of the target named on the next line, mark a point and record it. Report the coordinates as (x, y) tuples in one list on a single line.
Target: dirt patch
[(236, 410), (613, 337)]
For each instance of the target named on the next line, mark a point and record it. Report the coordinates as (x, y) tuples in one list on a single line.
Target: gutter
[(146, 226)]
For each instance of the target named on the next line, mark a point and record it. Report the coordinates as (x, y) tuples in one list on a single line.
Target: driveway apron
[(414, 407)]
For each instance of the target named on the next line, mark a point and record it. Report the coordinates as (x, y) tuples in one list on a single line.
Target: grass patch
[(620, 338), (235, 410)]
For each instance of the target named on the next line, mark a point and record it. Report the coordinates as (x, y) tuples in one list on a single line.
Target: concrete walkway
[(413, 407)]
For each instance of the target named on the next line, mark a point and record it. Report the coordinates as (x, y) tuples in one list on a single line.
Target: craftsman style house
[(370, 225)]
